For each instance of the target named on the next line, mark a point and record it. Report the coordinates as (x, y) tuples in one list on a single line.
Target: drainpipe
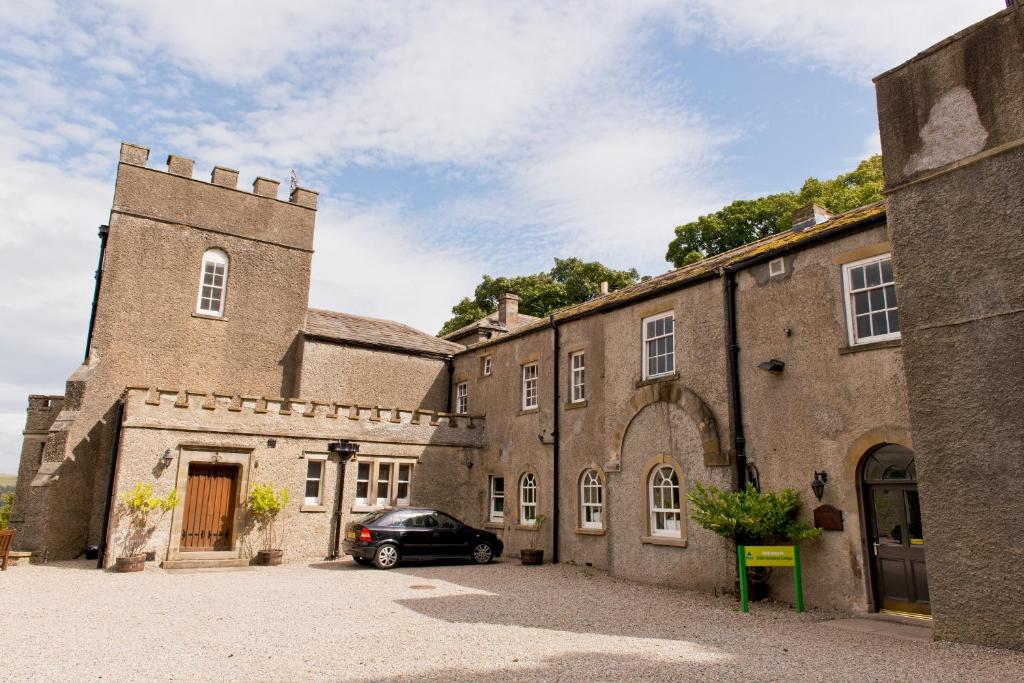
[(555, 439), (739, 441), (115, 451), (104, 232), (450, 362), (337, 508)]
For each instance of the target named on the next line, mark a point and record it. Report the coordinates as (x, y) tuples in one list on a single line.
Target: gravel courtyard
[(66, 621)]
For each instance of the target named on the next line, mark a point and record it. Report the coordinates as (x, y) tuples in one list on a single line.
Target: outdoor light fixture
[(818, 485), (344, 448), (774, 365), (166, 458)]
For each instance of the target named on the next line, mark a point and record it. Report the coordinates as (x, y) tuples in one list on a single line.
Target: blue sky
[(447, 140)]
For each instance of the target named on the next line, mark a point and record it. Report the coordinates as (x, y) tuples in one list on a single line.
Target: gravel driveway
[(438, 623)]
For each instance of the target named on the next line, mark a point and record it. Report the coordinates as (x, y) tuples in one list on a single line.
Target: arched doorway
[(892, 521)]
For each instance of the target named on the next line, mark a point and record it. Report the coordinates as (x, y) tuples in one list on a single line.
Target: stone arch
[(679, 395), (867, 441)]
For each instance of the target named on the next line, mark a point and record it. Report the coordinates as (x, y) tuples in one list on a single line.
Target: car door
[(416, 535), (449, 539)]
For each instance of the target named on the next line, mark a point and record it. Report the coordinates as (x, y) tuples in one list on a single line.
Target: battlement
[(42, 411), (151, 407), (136, 155), (173, 195)]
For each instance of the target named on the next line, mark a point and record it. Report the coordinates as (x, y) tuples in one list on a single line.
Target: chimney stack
[(508, 309), (809, 216)]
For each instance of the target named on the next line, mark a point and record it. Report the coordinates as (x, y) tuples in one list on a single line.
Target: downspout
[(450, 362), (104, 233), (555, 439), (115, 451), (739, 441)]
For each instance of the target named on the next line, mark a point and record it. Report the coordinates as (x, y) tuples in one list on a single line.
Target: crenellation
[(179, 166), (135, 155), (303, 197), (265, 187), (224, 177)]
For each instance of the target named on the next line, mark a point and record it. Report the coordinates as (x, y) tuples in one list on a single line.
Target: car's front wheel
[(386, 557), (482, 553)]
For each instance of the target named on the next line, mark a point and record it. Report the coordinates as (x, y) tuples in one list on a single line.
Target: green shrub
[(538, 525), (265, 506), (750, 517), (5, 510), (138, 508)]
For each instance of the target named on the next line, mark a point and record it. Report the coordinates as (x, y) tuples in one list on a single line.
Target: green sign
[(769, 556)]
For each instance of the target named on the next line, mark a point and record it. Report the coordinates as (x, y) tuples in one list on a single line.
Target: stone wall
[(373, 376), (953, 148), (270, 441)]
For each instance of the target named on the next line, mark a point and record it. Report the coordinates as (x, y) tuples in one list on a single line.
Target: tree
[(747, 220), (570, 281)]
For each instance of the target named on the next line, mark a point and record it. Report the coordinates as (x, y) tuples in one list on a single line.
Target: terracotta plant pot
[(270, 558), (135, 563), (530, 556)]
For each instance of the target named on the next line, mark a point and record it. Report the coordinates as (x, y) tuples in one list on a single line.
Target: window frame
[(850, 307), (535, 379), (486, 366), (318, 500), (379, 471), (651, 534), (215, 257), (581, 372), (776, 272), (591, 478), (462, 398), (495, 516), (524, 505), (646, 374)]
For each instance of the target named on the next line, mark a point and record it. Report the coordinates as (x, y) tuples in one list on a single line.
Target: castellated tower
[(204, 286)]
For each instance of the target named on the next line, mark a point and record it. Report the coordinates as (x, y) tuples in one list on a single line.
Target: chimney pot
[(265, 187), (604, 287), (179, 166), (508, 309), (224, 177), (809, 216)]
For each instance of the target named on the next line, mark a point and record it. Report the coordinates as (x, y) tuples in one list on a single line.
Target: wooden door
[(209, 515), (895, 531)]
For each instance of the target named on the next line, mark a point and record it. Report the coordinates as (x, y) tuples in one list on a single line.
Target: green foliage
[(570, 281), (750, 517), (264, 506), (747, 220), (5, 510), (142, 509), (538, 525)]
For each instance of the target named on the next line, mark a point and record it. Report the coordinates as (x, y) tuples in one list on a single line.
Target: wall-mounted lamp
[(344, 448), (818, 485), (774, 365), (166, 459)]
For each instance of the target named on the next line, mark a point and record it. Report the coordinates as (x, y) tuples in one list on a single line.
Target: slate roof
[(674, 279), (383, 334), (490, 322)]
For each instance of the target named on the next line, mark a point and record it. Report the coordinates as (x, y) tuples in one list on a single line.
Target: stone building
[(778, 363)]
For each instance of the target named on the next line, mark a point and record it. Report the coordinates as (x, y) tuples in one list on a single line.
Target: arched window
[(213, 283), (890, 462), (528, 498), (591, 500), (664, 502)]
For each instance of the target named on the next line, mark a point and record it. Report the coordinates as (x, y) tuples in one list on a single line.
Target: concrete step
[(201, 563)]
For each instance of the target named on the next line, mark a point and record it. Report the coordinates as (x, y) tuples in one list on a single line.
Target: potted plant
[(264, 506), (533, 554), (142, 511), (751, 517)]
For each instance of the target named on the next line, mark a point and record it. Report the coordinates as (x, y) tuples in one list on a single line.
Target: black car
[(386, 537)]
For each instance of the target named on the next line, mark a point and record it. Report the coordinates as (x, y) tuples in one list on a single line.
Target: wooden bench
[(6, 538)]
